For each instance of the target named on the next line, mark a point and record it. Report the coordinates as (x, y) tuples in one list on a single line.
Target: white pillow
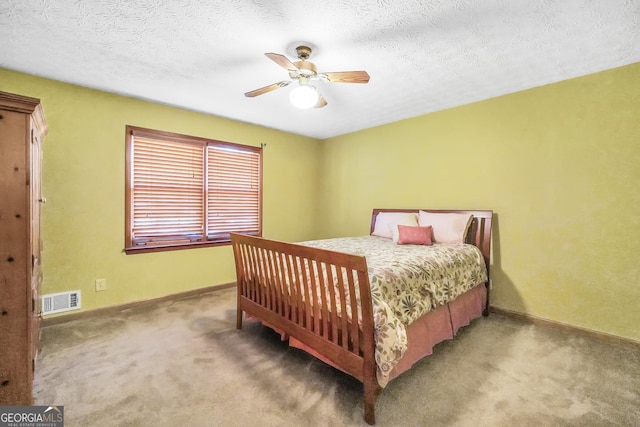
[(411, 221), (384, 219), (447, 227)]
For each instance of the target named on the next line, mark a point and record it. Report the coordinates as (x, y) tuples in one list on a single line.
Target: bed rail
[(307, 293)]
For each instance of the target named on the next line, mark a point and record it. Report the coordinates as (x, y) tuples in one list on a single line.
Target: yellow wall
[(558, 164), (560, 167), (83, 181)]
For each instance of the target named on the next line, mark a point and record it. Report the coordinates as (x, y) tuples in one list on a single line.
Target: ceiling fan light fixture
[(304, 96)]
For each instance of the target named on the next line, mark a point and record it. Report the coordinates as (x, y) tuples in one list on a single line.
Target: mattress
[(407, 282)]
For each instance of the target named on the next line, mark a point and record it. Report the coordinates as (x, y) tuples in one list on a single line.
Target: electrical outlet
[(101, 285)]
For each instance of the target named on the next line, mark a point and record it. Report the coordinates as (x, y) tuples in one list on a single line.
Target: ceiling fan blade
[(282, 61), (348, 76), (321, 102), (266, 89)]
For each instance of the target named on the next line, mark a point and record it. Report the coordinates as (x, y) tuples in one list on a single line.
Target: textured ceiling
[(422, 55)]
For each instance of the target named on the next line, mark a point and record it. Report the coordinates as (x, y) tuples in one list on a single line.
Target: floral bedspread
[(407, 281)]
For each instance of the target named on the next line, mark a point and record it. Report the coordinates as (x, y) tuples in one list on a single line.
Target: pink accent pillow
[(408, 235)]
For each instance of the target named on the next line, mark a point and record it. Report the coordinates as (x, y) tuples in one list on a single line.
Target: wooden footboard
[(320, 297)]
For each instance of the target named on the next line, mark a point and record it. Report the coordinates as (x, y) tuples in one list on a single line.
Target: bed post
[(371, 392), (369, 367), (239, 278), (239, 315), (479, 235), (485, 248)]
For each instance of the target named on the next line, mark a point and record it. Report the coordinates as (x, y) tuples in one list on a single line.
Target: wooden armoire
[(22, 127)]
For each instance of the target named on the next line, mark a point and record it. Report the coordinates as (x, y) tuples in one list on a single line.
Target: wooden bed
[(278, 282)]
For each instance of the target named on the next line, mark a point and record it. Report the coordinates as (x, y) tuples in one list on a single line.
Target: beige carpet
[(183, 363)]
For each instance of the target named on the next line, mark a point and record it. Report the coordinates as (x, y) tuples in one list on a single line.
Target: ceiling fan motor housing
[(306, 68)]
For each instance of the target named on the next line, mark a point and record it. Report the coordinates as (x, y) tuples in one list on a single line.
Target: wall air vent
[(63, 301)]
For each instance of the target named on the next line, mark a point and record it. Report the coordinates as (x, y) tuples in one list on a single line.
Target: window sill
[(174, 247)]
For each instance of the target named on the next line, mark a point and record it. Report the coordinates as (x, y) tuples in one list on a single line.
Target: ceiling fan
[(305, 95)]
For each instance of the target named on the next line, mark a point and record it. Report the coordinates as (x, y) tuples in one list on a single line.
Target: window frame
[(205, 241)]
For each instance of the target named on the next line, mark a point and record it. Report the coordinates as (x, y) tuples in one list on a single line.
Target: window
[(183, 191)]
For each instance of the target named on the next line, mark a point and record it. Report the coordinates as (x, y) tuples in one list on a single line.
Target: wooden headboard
[(479, 233)]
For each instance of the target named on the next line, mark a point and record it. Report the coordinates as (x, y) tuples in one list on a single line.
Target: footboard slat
[(271, 282), (277, 301), (252, 291), (287, 301), (308, 310), (315, 301), (344, 334), (356, 320), (325, 305), (263, 292)]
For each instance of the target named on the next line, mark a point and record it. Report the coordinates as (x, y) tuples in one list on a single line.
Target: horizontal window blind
[(186, 190), (233, 192), (168, 198)]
